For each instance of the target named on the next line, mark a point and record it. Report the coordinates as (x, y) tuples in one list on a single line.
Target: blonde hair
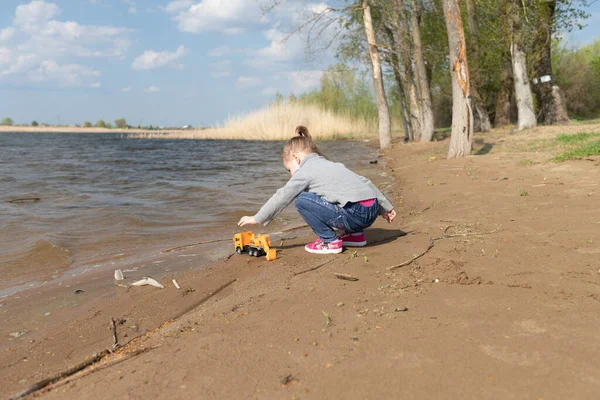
[(301, 142)]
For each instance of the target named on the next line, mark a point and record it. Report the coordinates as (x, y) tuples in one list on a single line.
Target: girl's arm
[(280, 200), (385, 206)]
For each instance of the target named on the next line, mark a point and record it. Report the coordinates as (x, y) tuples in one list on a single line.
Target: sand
[(511, 312)]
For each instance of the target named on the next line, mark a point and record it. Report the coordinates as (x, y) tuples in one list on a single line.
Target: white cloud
[(126, 89), (66, 74), (96, 85), (212, 15), (151, 59), (132, 10), (7, 34), (248, 82), (152, 89), (45, 36), (178, 5), (43, 49)]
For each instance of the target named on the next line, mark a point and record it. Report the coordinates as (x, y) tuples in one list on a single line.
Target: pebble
[(401, 309), (340, 304), (46, 314), (17, 334)]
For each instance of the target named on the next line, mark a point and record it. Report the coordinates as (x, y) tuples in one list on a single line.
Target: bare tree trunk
[(504, 94), (481, 119), (424, 91), (393, 59), (519, 62), (403, 49), (552, 107), (461, 139), (402, 98), (385, 130)]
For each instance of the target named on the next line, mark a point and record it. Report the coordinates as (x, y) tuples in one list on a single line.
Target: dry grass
[(277, 122)]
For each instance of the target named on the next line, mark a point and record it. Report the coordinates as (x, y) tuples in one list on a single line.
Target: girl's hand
[(389, 216), (247, 221)]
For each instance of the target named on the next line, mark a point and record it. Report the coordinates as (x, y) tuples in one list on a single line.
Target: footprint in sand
[(529, 327), (504, 353)]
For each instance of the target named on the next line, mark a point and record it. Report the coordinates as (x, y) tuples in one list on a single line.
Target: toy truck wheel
[(238, 250)]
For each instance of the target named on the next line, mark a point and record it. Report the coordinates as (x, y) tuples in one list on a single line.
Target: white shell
[(147, 281), (119, 275), (176, 284)]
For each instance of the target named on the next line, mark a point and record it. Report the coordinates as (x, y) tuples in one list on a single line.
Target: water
[(105, 197)]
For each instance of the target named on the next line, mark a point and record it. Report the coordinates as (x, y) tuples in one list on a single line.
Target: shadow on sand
[(375, 237)]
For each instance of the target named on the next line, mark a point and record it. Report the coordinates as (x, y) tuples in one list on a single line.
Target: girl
[(328, 196)]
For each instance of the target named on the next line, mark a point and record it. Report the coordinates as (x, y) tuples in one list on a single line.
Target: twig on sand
[(204, 299), (405, 263), (184, 246), (345, 277), (68, 372), (444, 236), (114, 332), (313, 268), (192, 245), (119, 358), (24, 200)]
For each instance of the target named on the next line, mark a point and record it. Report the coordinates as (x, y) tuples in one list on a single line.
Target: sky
[(159, 62)]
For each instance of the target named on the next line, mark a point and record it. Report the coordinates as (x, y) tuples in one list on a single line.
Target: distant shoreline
[(74, 129), (190, 134)]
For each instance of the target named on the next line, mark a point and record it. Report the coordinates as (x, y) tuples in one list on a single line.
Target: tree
[(34, 123), (523, 94), (424, 91), (7, 121), (552, 107), (121, 123), (100, 124), (461, 138), (87, 124), (481, 121), (385, 129), (109, 125)]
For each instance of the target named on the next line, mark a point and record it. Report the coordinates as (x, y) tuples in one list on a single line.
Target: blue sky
[(157, 62)]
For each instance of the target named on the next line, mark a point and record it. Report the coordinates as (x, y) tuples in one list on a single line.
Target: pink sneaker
[(318, 247), (353, 239)]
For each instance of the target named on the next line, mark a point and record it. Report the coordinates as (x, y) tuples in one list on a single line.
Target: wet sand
[(504, 306)]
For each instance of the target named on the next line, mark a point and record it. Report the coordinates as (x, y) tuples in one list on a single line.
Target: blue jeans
[(323, 217)]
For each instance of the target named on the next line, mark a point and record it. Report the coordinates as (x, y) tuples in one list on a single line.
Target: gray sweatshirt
[(332, 181)]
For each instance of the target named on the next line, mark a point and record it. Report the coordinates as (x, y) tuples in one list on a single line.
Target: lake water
[(105, 196)]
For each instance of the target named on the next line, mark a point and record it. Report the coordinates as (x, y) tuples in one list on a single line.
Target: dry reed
[(277, 122)]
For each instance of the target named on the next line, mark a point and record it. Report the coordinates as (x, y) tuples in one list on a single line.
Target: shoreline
[(506, 295), (188, 134)]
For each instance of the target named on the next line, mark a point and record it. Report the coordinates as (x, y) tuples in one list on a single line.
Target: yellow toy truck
[(254, 245)]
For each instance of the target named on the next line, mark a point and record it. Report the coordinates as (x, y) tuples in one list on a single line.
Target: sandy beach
[(499, 301)]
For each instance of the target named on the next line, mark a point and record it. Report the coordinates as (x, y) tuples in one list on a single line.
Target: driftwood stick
[(405, 263), (114, 332), (345, 277), (313, 268), (24, 200), (68, 372)]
